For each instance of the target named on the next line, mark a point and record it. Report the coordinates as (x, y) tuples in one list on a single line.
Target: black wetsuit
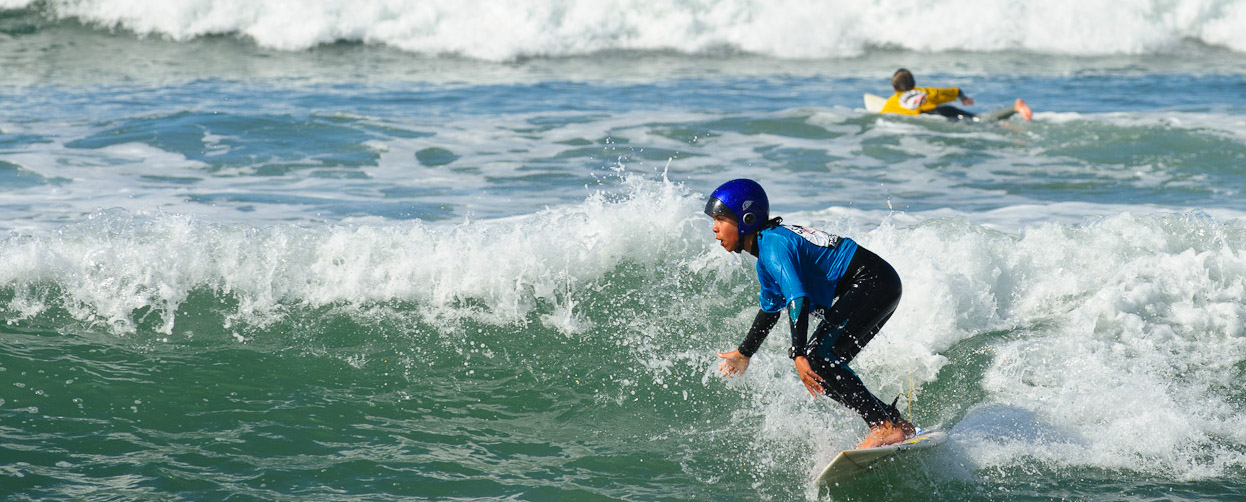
[(955, 113), (866, 296), (951, 112)]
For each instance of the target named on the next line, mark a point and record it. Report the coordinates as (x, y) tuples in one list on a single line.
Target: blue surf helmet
[(742, 200)]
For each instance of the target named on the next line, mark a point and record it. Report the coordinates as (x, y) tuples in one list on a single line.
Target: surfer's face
[(727, 231)]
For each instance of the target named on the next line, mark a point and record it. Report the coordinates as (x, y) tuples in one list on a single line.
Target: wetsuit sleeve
[(798, 314), (757, 334)]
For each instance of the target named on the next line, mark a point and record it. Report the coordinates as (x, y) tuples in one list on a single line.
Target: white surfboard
[(874, 103), (851, 462)]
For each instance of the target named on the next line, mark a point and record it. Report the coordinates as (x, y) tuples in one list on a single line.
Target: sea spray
[(1104, 330), (119, 263)]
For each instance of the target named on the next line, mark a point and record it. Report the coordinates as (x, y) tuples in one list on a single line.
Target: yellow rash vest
[(919, 100)]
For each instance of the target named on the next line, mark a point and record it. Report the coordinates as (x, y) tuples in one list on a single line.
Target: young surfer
[(849, 289), (912, 100)]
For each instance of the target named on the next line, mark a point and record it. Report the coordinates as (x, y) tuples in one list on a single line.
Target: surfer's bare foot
[(888, 433), (907, 428), (1023, 109)]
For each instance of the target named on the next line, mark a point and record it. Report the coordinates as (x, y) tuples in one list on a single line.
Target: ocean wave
[(120, 267), (499, 30), (1029, 343)]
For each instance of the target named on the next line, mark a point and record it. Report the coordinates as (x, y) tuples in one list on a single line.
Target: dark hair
[(903, 80), (773, 222)]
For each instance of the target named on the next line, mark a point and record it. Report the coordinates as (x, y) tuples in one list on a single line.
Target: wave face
[(501, 30), (125, 272), (536, 351), (353, 273)]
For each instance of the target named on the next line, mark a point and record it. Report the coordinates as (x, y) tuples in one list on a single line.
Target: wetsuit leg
[(951, 112), (846, 388), (999, 114), (867, 296)]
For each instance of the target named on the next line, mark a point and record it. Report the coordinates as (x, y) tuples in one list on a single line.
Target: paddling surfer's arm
[(735, 362)]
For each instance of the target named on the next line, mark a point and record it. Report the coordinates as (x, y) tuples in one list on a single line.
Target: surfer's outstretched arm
[(735, 362)]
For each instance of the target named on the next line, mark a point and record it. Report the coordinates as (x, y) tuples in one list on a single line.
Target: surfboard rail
[(849, 462)]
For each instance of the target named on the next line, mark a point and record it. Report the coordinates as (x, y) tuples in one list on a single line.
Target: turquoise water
[(345, 259), (603, 388)]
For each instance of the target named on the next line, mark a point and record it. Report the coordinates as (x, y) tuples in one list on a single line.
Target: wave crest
[(498, 30)]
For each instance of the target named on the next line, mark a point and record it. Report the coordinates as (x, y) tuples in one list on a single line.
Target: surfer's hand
[(968, 101), (812, 381), (734, 363)]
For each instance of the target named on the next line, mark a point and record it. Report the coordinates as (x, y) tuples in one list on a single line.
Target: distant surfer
[(850, 290), (912, 100)]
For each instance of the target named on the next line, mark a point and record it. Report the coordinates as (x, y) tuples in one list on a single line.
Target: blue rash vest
[(800, 262)]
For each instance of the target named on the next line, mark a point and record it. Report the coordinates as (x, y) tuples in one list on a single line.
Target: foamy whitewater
[(455, 250), (500, 30)]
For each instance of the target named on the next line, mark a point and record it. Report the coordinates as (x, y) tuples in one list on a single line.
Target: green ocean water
[(600, 388), (338, 410), (314, 254), (330, 406)]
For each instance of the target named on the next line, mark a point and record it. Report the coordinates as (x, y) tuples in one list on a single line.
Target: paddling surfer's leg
[(1018, 108), (951, 112), (1000, 114)]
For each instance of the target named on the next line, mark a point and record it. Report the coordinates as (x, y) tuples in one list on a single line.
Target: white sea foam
[(1129, 327), (1110, 342), (1115, 328), (918, 175), (499, 30), (122, 262)]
